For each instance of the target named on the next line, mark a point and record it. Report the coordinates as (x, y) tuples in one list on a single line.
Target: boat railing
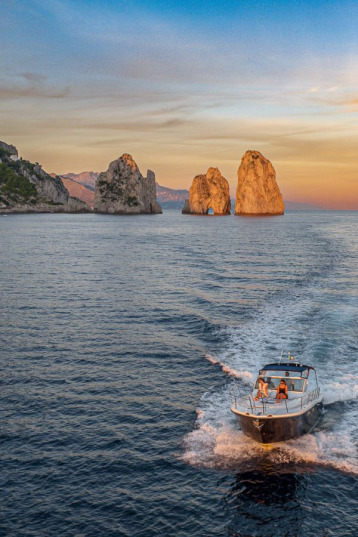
[(241, 394), (246, 402), (309, 397)]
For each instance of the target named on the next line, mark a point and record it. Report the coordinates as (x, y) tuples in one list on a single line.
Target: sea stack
[(209, 191), (122, 189), (257, 190)]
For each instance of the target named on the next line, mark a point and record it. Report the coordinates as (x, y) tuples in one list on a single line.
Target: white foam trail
[(244, 375), (217, 441), (346, 390)]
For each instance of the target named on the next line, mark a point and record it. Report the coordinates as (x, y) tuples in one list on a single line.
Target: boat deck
[(296, 403)]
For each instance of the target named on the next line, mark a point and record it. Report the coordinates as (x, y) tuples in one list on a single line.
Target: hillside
[(26, 187)]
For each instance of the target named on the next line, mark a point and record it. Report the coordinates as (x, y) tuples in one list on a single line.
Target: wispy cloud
[(350, 101), (34, 78), (30, 85)]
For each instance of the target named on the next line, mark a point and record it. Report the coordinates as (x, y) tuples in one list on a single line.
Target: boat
[(268, 419)]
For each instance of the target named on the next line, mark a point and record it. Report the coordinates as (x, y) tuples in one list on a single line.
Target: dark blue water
[(121, 337)]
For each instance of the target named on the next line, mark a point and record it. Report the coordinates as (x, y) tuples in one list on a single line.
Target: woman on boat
[(262, 390), (282, 390)]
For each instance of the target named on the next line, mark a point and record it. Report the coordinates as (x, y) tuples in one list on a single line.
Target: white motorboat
[(284, 403)]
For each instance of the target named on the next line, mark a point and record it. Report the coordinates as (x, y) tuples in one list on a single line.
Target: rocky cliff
[(209, 191), (9, 149), (123, 190), (257, 190), (26, 187)]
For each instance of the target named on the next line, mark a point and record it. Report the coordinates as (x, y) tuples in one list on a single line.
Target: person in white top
[(262, 390)]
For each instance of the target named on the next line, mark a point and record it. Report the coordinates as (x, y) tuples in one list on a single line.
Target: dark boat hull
[(268, 430)]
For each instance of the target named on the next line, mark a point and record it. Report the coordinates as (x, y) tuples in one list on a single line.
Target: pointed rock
[(123, 190), (257, 190), (209, 191)]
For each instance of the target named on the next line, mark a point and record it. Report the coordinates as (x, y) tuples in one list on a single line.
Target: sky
[(184, 87)]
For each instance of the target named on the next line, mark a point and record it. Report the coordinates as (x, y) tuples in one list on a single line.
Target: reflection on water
[(271, 501), (265, 502)]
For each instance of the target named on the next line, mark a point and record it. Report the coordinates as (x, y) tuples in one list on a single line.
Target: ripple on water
[(114, 423)]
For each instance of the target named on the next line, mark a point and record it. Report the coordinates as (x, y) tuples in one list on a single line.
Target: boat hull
[(273, 429)]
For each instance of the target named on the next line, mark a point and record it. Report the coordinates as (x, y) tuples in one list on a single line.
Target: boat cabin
[(296, 376)]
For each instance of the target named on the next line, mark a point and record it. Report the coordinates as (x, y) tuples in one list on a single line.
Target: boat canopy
[(286, 367)]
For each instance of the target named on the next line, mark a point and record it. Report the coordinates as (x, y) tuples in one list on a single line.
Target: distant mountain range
[(87, 179), (82, 185), (296, 206), (169, 198)]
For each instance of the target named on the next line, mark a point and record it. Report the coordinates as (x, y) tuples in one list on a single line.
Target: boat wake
[(316, 317), (224, 446), (244, 375), (216, 440)]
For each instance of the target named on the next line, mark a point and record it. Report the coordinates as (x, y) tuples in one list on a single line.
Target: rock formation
[(257, 190), (11, 149), (123, 190), (209, 191), (26, 188)]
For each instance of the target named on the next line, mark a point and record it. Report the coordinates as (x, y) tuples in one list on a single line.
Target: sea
[(121, 340)]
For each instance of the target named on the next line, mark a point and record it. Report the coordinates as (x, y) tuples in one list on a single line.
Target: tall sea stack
[(209, 191), (257, 190), (122, 189)]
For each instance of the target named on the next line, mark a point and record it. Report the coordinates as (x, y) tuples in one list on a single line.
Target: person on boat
[(271, 385), (262, 390), (291, 383), (282, 390)]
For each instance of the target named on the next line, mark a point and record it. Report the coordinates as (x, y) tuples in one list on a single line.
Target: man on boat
[(271, 385), (291, 384)]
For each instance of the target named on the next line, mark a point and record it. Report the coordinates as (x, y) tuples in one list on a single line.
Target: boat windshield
[(294, 384), (284, 373)]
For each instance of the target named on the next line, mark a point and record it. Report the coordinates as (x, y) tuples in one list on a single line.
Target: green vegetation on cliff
[(26, 187), (15, 187), (4, 152)]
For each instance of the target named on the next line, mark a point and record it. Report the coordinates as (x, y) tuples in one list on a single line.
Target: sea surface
[(121, 338)]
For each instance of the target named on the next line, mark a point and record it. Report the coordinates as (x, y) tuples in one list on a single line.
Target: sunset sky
[(185, 87)]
